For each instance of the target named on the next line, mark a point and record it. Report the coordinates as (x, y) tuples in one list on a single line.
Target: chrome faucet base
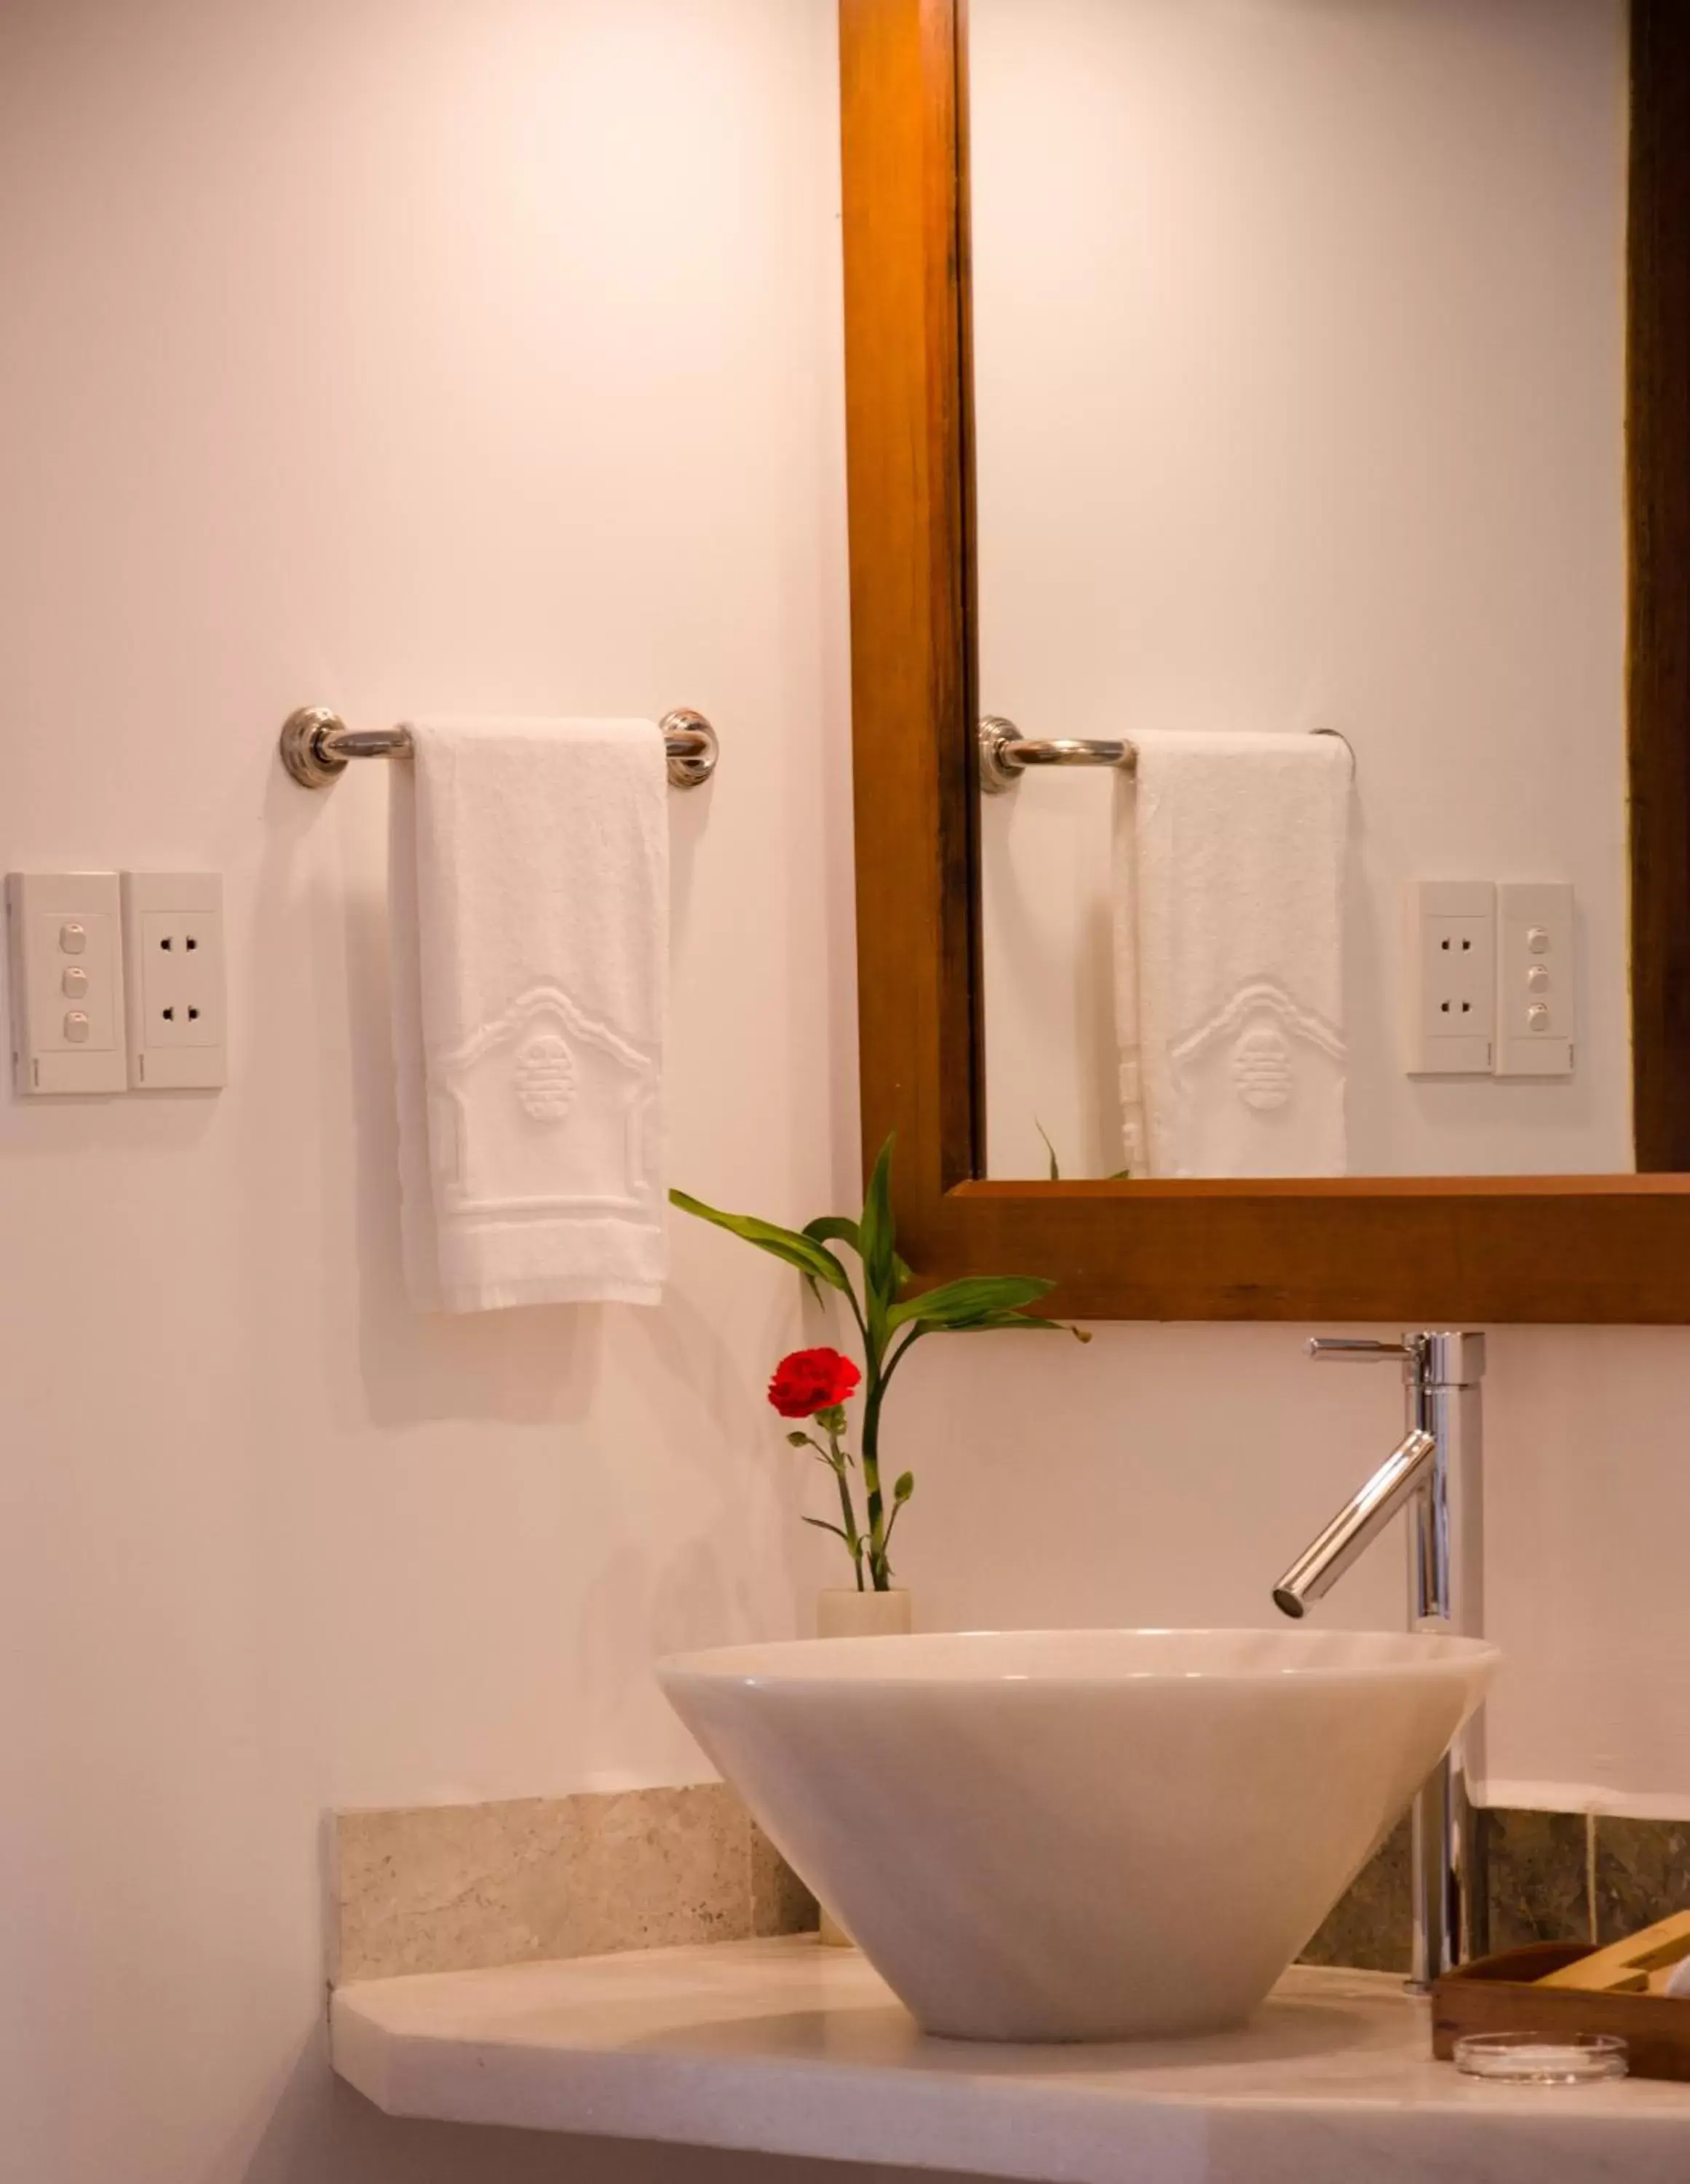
[(1435, 1473)]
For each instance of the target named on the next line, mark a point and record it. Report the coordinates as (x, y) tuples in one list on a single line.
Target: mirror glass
[(1299, 384)]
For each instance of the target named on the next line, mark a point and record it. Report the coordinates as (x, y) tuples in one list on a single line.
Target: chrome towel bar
[(1005, 753), (316, 744)]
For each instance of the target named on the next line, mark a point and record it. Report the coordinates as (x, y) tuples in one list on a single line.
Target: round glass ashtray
[(1542, 2059)]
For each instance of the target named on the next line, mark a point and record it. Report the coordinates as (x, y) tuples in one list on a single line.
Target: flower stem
[(879, 1568), (854, 1538)]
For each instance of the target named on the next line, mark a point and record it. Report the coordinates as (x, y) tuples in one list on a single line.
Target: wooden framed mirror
[(1417, 1246)]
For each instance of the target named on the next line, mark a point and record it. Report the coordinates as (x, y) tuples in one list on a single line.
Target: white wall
[(398, 354), (1299, 338), (1168, 1475)]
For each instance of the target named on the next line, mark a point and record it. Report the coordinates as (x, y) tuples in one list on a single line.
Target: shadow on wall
[(635, 1611), (320, 2131)]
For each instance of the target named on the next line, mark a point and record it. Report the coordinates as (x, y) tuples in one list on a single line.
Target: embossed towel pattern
[(529, 892), (1228, 901)]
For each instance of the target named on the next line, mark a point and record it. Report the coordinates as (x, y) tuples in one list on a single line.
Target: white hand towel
[(1228, 946), (529, 891)]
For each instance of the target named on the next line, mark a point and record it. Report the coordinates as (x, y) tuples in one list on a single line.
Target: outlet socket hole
[(194, 1014), (166, 943), (192, 942), (170, 1014)]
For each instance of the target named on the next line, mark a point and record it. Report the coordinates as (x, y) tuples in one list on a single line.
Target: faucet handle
[(1346, 1350)]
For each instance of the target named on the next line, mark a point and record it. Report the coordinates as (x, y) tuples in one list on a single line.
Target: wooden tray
[(1495, 1994)]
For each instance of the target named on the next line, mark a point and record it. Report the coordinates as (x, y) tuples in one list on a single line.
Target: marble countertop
[(783, 2047)]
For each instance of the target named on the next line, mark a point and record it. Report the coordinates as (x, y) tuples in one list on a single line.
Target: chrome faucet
[(1436, 1473)]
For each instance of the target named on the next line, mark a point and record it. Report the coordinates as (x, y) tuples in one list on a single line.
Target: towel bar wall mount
[(317, 746), (1005, 753)]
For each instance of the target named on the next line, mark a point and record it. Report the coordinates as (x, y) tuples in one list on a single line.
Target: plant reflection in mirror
[(1116, 1175)]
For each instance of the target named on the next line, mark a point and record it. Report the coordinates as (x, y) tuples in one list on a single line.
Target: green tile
[(1538, 1864), (1643, 1873), (1371, 1926)]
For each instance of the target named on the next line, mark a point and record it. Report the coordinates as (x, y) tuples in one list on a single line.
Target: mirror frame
[(1420, 1248)]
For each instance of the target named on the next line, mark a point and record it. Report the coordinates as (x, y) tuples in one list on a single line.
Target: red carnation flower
[(811, 1380)]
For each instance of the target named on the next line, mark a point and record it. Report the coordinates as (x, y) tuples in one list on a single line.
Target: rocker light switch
[(64, 948), (1536, 1010)]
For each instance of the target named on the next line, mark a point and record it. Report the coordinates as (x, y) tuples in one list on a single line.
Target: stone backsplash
[(439, 1888), (1552, 1877), (435, 1888)]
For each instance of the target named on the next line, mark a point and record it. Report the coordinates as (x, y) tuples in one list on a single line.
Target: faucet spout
[(1406, 1472)]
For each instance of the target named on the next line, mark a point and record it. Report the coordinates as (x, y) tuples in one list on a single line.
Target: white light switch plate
[(65, 955), (1450, 952), (177, 1021), (1536, 1002)]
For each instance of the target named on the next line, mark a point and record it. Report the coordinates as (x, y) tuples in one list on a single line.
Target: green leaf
[(1021, 1319), (840, 1228), (799, 1440), (821, 1524), (878, 1232), (904, 1488), (834, 1228), (798, 1250), (976, 1300), (1055, 1165)]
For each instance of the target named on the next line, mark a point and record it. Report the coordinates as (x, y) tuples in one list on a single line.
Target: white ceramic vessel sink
[(1089, 1835)]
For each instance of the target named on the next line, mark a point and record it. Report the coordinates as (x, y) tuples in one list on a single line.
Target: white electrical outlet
[(1535, 998), (63, 932), (173, 937), (1451, 945)]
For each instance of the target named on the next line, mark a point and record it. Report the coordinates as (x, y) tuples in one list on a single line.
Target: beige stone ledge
[(441, 1888)]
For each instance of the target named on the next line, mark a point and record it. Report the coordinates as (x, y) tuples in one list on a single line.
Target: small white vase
[(843, 1612)]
